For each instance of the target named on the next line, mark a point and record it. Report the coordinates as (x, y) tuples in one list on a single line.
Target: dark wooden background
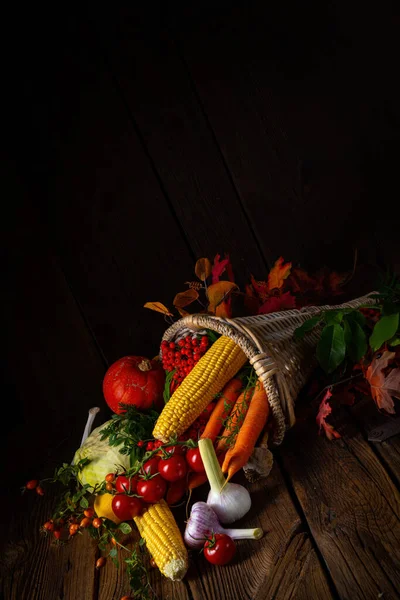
[(140, 140)]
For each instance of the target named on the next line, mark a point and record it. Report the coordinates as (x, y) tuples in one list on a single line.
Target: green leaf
[(84, 502), (395, 341), (331, 317), (384, 330), (113, 552), (306, 327), (356, 340), (142, 542), (331, 348), (355, 315), (125, 528)]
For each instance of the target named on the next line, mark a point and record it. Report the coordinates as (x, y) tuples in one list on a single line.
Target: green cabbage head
[(103, 458)]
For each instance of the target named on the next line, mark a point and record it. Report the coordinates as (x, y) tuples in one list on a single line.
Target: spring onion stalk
[(230, 501), (203, 522)]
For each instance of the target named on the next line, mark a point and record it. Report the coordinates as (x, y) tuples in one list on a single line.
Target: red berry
[(100, 562), (40, 490), (195, 342), (89, 512), (110, 477), (97, 523), (49, 526), (85, 522), (32, 484), (140, 444), (150, 446), (57, 534), (172, 345), (181, 343)]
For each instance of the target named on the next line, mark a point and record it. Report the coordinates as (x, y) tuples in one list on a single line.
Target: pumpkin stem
[(145, 365)]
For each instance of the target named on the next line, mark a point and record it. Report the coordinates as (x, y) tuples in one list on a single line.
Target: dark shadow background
[(141, 139)]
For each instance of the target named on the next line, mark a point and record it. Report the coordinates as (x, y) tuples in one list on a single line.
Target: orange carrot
[(235, 420), (229, 395), (253, 424), (196, 479)]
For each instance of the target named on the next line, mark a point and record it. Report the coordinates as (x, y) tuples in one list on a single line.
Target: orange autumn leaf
[(183, 312), (224, 310), (185, 298), (279, 272), (219, 292), (261, 289), (203, 268), (384, 387), (158, 307)]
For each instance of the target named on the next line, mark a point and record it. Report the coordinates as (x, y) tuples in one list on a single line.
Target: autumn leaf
[(224, 310), (158, 307), (279, 272), (251, 301), (183, 312), (219, 292), (203, 268), (383, 387), (276, 303), (261, 289), (185, 298), (218, 268), (324, 411)]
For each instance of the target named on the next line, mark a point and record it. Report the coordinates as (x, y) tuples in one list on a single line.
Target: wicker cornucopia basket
[(282, 363)]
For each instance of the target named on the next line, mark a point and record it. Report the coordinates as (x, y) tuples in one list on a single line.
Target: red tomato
[(175, 449), (152, 490), (126, 507), (134, 380), (221, 550), (152, 465), (125, 485), (176, 491), (173, 468), (194, 460)]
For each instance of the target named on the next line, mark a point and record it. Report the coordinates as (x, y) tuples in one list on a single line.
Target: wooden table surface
[(139, 143)]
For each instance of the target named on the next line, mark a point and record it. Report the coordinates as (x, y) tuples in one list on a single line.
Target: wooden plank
[(55, 372), (263, 565), (377, 425), (118, 241), (158, 92), (352, 508), (284, 123)]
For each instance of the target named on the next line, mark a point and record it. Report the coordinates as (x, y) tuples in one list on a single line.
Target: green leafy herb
[(167, 387), (384, 330), (331, 349), (128, 429), (306, 327)]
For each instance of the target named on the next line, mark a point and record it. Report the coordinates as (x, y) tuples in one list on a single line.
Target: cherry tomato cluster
[(61, 528), (33, 484), (182, 356)]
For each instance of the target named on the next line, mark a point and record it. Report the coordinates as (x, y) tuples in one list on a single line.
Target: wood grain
[(260, 564), (351, 506), (118, 241), (288, 139), (371, 420), (158, 92)]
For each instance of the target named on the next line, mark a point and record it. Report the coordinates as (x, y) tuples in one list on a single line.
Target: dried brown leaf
[(203, 268), (185, 298), (218, 292), (158, 307)]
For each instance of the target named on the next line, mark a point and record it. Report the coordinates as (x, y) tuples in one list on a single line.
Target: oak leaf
[(203, 268), (276, 303), (185, 298), (219, 267), (219, 292), (279, 272), (383, 387), (158, 307), (261, 288), (324, 411)]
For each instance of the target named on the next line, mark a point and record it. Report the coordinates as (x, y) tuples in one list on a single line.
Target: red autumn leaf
[(324, 411), (279, 272), (383, 387), (185, 298), (261, 289), (276, 303), (218, 267), (158, 307), (219, 292), (250, 300)]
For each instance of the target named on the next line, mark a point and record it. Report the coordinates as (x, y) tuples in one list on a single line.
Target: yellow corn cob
[(158, 528), (218, 365)]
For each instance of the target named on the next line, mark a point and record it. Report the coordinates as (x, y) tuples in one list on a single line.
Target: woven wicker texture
[(282, 363)]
